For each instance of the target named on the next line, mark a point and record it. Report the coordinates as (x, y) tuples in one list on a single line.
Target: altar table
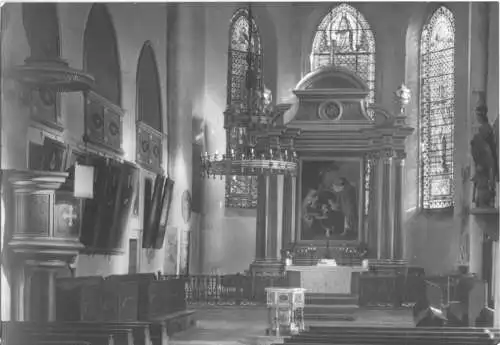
[(323, 279)]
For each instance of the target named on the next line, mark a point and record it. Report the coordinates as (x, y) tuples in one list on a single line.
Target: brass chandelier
[(256, 145)]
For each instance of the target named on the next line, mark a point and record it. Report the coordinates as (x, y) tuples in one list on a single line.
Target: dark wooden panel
[(36, 215), (112, 129), (94, 121)]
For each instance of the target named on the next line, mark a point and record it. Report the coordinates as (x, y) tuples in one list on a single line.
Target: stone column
[(386, 224), (372, 235), (51, 295), (17, 294), (496, 285), (288, 214), (269, 221), (272, 218), (260, 229), (398, 238)]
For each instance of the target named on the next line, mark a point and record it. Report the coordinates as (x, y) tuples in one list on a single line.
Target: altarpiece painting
[(331, 199)]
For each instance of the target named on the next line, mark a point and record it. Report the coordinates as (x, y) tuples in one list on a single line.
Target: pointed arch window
[(241, 191), (149, 111), (437, 110), (344, 38), (103, 115)]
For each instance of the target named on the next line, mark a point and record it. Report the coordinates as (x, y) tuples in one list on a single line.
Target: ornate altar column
[(269, 225), (260, 228), (288, 232), (373, 159), (398, 237), (386, 212)]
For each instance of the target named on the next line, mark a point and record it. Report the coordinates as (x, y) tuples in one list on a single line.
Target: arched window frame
[(437, 112), (241, 191), (103, 117), (149, 138), (360, 58)]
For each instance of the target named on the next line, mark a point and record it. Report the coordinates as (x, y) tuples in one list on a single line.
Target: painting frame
[(360, 194)]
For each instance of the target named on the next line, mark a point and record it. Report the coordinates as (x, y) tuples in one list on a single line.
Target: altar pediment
[(332, 114)]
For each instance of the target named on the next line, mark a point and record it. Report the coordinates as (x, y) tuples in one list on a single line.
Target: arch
[(148, 91), (344, 38), (437, 110), (41, 24), (333, 75), (101, 57)]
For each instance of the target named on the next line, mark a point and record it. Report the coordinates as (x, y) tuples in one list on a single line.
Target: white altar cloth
[(323, 279)]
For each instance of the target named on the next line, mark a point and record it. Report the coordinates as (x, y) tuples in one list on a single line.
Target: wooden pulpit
[(42, 235)]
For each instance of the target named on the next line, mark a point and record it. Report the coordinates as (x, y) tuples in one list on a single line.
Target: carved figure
[(485, 156)]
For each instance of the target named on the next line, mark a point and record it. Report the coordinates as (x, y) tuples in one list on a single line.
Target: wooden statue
[(485, 156)]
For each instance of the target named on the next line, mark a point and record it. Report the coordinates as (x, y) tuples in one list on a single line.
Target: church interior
[(317, 165)]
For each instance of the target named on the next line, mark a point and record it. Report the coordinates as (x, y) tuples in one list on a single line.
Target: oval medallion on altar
[(330, 110)]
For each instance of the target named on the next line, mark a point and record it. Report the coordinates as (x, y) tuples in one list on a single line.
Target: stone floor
[(219, 325)]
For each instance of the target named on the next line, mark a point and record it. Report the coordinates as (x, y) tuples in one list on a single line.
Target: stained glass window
[(241, 191), (344, 38), (437, 110)]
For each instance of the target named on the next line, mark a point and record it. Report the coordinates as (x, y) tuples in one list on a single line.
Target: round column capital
[(400, 155), (387, 155), (372, 156)]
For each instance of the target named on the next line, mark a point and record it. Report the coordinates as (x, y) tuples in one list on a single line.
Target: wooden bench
[(396, 336), (123, 333), (60, 337), (43, 342)]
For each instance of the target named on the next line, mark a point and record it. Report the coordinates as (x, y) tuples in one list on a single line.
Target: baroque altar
[(324, 279), (347, 195)]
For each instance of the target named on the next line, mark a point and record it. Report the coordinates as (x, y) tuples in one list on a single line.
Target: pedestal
[(285, 311), (476, 248)]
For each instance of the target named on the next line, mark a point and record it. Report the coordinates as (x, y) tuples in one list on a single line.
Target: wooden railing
[(380, 290), (148, 296), (234, 289)]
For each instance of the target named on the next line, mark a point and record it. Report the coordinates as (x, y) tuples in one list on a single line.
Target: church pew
[(96, 334), (396, 336), (61, 337), (133, 333), (394, 340), (59, 342), (119, 298)]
